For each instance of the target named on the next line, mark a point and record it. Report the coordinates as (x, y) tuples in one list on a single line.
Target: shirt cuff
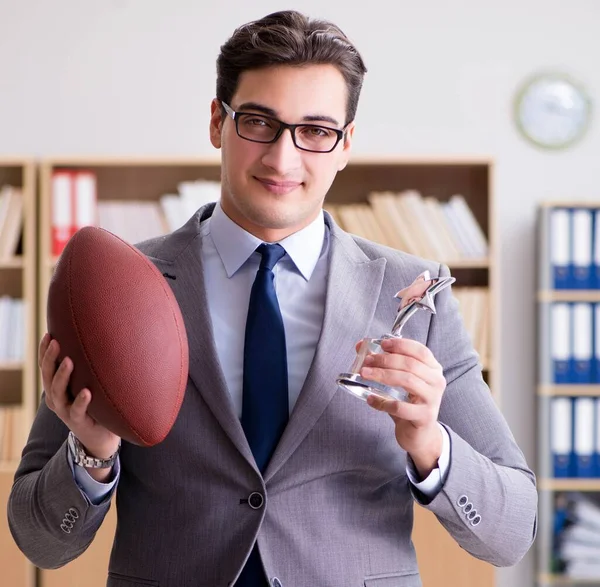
[(434, 482), (94, 491)]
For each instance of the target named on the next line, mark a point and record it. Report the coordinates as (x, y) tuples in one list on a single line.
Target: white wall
[(136, 77)]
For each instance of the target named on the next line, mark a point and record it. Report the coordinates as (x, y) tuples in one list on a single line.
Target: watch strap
[(82, 459)]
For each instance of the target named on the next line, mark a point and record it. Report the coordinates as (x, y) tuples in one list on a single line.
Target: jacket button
[(275, 582), (256, 501)]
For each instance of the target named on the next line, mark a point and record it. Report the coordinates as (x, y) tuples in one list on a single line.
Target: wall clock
[(552, 111)]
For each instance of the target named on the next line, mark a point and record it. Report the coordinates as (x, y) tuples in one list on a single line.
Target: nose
[(282, 156)]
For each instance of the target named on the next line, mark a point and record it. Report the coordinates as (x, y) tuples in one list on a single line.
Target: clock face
[(552, 111)]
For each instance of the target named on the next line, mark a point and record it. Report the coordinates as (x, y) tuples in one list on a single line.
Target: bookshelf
[(568, 239), (17, 374), (442, 561)]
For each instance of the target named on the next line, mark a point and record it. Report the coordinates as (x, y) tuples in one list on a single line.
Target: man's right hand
[(98, 441)]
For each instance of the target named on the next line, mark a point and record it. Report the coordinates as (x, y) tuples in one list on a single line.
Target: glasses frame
[(282, 126)]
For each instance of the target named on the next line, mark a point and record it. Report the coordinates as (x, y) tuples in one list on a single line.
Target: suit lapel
[(204, 366), (353, 289)]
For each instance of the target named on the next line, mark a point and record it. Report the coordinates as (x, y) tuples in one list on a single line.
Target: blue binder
[(596, 344), (561, 342), (584, 436), (561, 436), (560, 247), (582, 274), (596, 437), (582, 332), (596, 251)]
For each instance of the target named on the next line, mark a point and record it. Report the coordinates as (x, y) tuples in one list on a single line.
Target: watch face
[(552, 111)]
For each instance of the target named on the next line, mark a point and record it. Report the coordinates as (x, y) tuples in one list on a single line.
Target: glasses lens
[(257, 128), (315, 138)]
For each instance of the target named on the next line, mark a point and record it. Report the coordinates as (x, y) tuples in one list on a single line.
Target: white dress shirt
[(230, 263)]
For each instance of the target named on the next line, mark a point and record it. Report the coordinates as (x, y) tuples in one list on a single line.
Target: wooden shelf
[(457, 161), (573, 204), (574, 390), (550, 488), (131, 161), (12, 365), (569, 295), (14, 263), (424, 160), (569, 484), (549, 579), (470, 264), (17, 387)]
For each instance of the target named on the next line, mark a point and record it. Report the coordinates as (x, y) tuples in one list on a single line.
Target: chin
[(274, 219), (278, 217)]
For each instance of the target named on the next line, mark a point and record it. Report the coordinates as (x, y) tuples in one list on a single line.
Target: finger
[(400, 410), (408, 381), (411, 348), (396, 362), (78, 410), (43, 347), (359, 344), (60, 397), (48, 368)]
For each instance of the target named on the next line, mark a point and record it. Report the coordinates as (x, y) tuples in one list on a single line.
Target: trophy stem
[(402, 318)]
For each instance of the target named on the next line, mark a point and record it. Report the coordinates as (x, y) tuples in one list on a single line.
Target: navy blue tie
[(265, 388)]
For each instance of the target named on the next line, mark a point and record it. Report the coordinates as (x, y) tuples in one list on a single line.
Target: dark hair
[(289, 38)]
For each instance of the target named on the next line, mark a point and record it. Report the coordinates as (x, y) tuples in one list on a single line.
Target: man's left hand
[(408, 364)]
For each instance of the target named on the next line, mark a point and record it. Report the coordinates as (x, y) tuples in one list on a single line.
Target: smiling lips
[(278, 187)]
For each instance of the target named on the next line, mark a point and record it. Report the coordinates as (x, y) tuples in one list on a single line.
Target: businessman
[(272, 475)]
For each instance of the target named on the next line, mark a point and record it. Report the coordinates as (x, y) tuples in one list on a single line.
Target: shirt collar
[(235, 245)]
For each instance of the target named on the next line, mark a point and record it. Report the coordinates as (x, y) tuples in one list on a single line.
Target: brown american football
[(115, 315)]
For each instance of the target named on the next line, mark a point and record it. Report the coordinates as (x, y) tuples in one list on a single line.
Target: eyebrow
[(270, 112)]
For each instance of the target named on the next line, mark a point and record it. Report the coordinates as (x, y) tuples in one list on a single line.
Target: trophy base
[(362, 388)]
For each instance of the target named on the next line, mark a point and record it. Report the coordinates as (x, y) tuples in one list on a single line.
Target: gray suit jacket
[(338, 505)]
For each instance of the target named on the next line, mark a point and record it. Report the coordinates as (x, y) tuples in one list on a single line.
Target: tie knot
[(270, 255)]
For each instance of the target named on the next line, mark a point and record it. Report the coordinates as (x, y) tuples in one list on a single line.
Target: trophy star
[(418, 295), (419, 292), (423, 290)]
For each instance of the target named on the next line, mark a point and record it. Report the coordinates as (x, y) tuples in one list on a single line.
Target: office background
[(135, 77)]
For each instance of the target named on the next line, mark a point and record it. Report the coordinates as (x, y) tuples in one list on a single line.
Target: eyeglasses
[(259, 128)]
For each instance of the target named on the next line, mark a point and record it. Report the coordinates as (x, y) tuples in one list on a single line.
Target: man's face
[(274, 190)]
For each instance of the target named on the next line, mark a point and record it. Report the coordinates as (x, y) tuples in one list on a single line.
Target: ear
[(216, 123), (347, 146)]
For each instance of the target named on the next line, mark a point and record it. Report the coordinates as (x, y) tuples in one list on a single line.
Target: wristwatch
[(82, 459)]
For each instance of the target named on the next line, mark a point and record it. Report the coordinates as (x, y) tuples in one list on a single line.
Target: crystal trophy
[(417, 296)]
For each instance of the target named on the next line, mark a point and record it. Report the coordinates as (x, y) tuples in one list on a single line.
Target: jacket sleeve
[(50, 519), (488, 501)]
